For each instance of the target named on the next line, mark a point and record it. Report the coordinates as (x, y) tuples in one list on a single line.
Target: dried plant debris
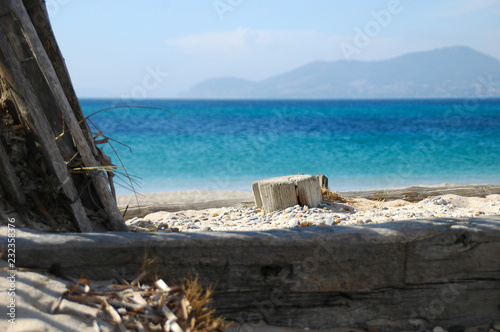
[(332, 197), (153, 307), (44, 205)]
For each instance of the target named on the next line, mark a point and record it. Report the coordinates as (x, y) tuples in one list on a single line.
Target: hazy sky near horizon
[(157, 49)]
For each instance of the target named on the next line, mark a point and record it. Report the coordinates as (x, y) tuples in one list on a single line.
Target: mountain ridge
[(450, 72)]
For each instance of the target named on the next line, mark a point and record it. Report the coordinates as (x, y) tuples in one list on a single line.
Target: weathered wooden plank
[(38, 14), (323, 181), (9, 179), (308, 190), (418, 193), (99, 179), (282, 192), (48, 103), (39, 55), (277, 193), (400, 276), (256, 194), (33, 118), (35, 76)]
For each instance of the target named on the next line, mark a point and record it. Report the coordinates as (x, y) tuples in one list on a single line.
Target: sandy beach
[(168, 98), (213, 211), (188, 211)]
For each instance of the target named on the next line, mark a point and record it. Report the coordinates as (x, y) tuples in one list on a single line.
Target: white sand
[(182, 197), (37, 293), (357, 211), (35, 297)]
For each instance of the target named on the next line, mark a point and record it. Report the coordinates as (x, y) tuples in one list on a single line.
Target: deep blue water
[(356, 144)]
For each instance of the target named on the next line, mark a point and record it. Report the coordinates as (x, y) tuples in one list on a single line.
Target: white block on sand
[(285, 191)]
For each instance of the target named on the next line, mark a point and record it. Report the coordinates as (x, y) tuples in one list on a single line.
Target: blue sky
[(157, 49)]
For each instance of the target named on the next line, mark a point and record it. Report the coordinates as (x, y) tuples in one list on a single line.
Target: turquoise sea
[(227, 144)]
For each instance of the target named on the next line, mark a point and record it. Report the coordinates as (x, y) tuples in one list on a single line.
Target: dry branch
[(155, 307)]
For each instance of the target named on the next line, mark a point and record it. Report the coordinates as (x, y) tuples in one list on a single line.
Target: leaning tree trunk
[(49, 163)]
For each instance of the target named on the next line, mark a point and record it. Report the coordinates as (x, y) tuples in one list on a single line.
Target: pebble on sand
[(359, 211)]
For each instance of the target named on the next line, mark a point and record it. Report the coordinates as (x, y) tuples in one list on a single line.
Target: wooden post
[(282, 192), (323, 181)]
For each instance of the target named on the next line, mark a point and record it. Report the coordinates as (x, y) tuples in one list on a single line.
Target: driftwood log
[(418, 193), (49, 163), (285, 191), (399, 276)]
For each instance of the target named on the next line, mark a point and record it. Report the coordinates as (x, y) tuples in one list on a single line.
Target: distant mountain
[(451, 72)]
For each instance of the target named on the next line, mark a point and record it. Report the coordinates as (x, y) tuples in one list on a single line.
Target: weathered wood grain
[(8, 178), (418, 193), (323, 181), (277, 193), (37, 81), (400, 276), (256, 194), (115, 220), (37, 12), (309, 191), (281, 192), (32, 114)]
